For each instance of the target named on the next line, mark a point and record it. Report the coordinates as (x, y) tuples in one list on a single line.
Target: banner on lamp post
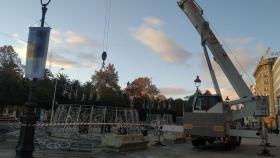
[(37, 50)]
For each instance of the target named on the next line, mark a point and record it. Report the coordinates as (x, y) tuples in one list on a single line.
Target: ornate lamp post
[(197, 83), (37, 48)]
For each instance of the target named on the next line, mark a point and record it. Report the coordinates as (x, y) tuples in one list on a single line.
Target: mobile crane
[(212, 118)]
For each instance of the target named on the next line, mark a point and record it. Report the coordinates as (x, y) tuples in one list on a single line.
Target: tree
[(13, 89), (88, 93), (106, 84), (142, 87), (9, 61), (62, 88), (43, 92)]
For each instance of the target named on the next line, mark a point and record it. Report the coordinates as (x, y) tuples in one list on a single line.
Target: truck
[(213, 119)]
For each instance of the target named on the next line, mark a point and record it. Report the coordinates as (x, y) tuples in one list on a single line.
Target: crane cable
[(106, 29), (107, 20)]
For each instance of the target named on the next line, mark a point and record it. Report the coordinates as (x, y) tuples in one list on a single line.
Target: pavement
[(248, 149)]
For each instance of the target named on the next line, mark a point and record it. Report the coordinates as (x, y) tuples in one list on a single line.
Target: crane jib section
[(195, 14)]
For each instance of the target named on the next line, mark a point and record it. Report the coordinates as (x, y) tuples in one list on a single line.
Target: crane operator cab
[(203, 102)]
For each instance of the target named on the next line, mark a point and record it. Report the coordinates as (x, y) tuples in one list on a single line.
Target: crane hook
[(45, 4)]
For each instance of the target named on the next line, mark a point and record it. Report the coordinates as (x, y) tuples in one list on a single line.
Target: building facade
[(265, 85), (276, 85)]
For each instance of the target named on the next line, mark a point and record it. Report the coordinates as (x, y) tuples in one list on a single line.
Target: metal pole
[(25, 146), (53, 100), (212, 73)]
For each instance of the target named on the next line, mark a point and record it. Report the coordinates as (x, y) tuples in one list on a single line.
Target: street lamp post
[(37, 48), (25, 146), (53, 100), (197, 83)]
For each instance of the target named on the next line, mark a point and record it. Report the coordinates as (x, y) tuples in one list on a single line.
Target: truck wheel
[(202, 141), (238, 142), (230, 144), (195, 142), (211, 141), (233, 142)]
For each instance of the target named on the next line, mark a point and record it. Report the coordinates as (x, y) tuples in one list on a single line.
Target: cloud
[(81, 59), (152, 21), (62, 62), (172, 91), (238, 41), (78, 39), (67, 49), (226, 92), (21, 51), (71, 38), (153, 38)]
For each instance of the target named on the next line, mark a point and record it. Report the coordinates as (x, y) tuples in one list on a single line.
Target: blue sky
[(146, 38)]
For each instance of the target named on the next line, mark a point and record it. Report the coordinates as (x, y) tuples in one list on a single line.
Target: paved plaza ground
[(248, 149)]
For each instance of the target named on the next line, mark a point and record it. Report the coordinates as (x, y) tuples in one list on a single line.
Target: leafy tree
[(44, 90), (62, 88), (10, 62), (106, 85), (12, 86), (142, 87), (88, 93)]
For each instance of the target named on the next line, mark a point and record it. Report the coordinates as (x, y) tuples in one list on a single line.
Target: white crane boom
[(195, 14)]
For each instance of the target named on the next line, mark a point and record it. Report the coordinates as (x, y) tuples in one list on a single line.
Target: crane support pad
[(205, 124)]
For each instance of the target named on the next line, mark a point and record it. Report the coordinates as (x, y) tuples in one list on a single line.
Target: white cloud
[(85, 60), (71, 38), (76, 60), (65, 48), (21, 51), (78, 39), (153, 38), (152, 21), (172, 91)]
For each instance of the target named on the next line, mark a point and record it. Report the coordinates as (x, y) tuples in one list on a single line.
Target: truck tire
[(202, 141), (211, 141), (195, 142), (238, 142), (231, 143)]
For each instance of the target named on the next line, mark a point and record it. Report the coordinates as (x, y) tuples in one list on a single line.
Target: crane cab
[(202, 103)]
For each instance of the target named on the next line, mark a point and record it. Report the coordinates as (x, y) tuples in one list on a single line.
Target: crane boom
[(195, 14), (210, 110)]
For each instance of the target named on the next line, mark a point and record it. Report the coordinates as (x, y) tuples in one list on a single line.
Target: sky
[(150, 38)]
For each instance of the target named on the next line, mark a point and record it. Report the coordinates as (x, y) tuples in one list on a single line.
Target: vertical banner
[(37, 50)]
